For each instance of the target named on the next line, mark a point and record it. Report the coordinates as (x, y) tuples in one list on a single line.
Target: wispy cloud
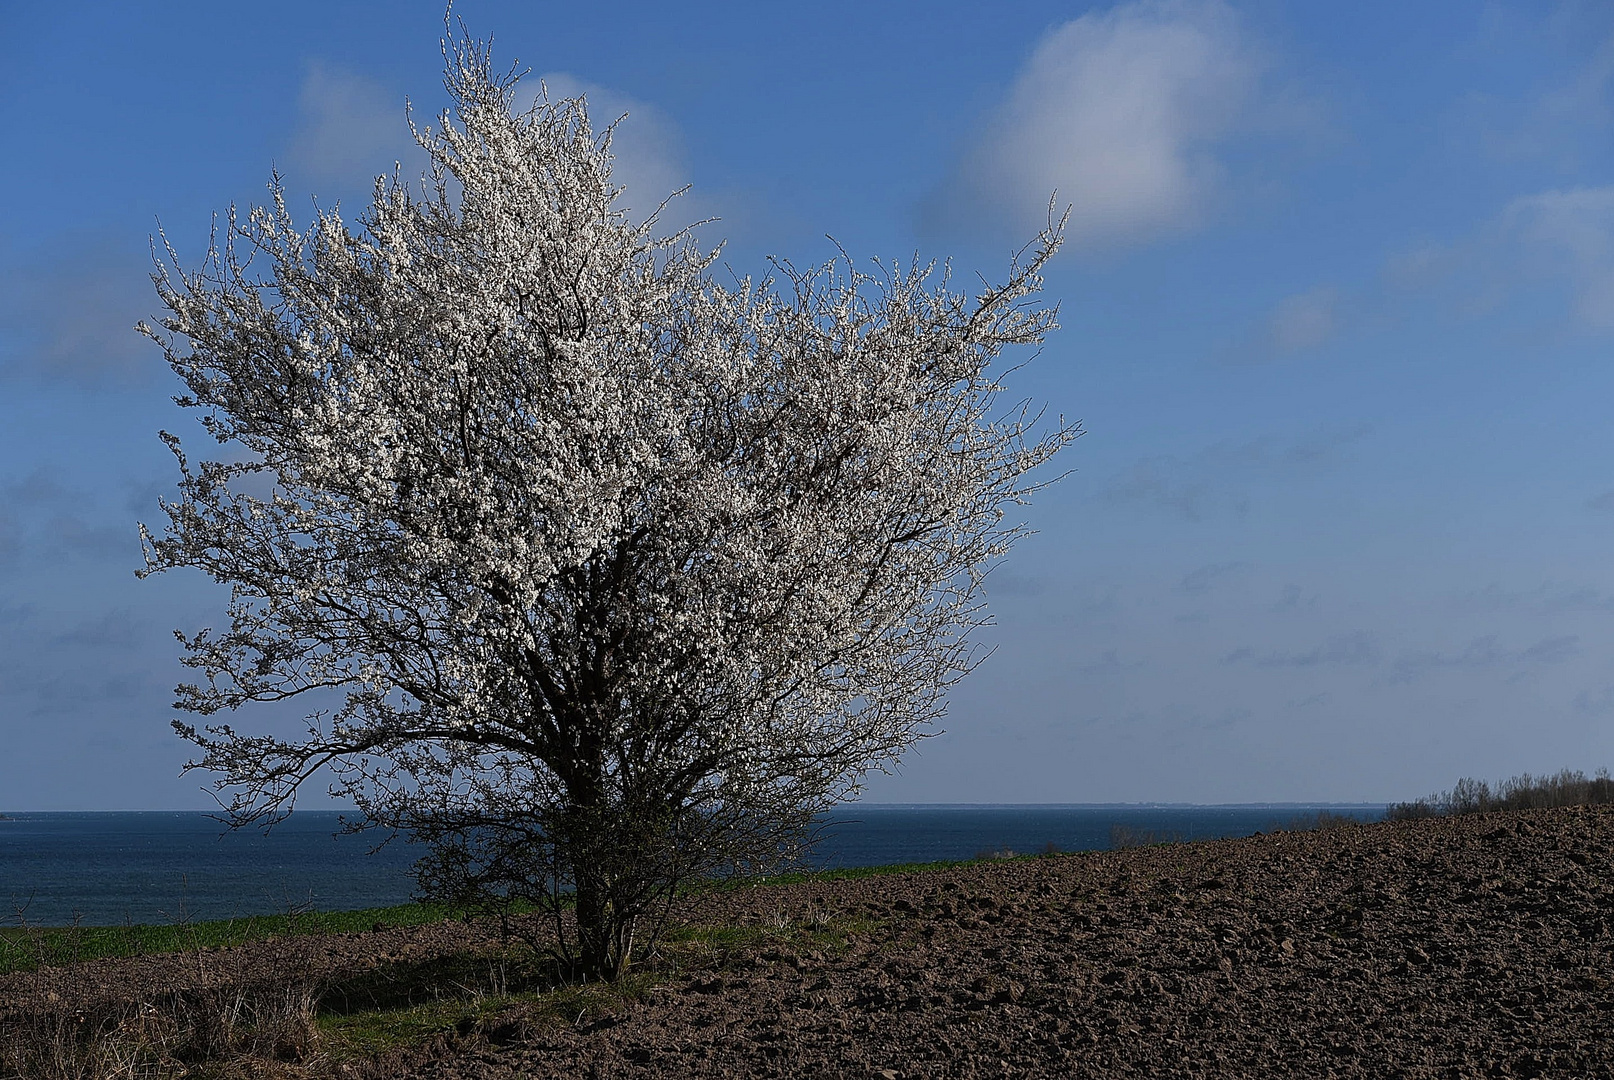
[(116, 629), (40, 487), (1177, 485), (1121, 113), (1561, 237), (1480, 653), (350, 128), (1600, 703), (1571, 233), (1108, 663), (1552, 650), (1351, 649), (67, 314), (1549, 598), (647, 147), (1484, 653), (1201, 581), (1558, 120), (1304, 321), (1294, 598), (1001, 581), (1296, 324), (16, 613), (11, 538), (69, 694), (46, 521), (1215, 480)]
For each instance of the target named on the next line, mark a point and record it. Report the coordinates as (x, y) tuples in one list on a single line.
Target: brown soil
[(1465, 947)]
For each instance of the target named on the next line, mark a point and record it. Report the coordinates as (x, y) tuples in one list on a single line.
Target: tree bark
[(596, 931)]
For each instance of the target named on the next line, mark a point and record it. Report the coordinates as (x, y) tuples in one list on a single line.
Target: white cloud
[(350, 128), (647, 148), (1120, 113)]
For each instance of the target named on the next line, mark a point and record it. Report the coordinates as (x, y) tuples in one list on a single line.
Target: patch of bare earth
[(1460, 947)]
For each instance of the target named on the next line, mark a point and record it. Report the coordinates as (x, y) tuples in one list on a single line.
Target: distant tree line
[(1523, 792)]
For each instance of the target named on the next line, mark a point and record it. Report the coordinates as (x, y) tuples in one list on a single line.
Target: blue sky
[(1337, 310)]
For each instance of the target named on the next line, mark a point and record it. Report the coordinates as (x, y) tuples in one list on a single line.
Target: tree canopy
[(617, 574)]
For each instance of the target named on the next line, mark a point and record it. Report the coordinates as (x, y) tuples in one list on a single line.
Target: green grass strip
[(27, 948)]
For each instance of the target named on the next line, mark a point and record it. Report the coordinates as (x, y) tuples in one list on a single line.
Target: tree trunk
[(604, 933), (590, 847)]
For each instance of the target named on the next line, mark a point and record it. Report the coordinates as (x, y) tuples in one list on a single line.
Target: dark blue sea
[(159, 867)]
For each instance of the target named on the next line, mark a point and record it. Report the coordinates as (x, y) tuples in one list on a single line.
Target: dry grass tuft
[(219, 1034), (1125, 836)]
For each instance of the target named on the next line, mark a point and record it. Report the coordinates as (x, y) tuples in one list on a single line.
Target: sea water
[(160, 867)]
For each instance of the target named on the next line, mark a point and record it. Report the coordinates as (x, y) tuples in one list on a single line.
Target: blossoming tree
[(613, 575)]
